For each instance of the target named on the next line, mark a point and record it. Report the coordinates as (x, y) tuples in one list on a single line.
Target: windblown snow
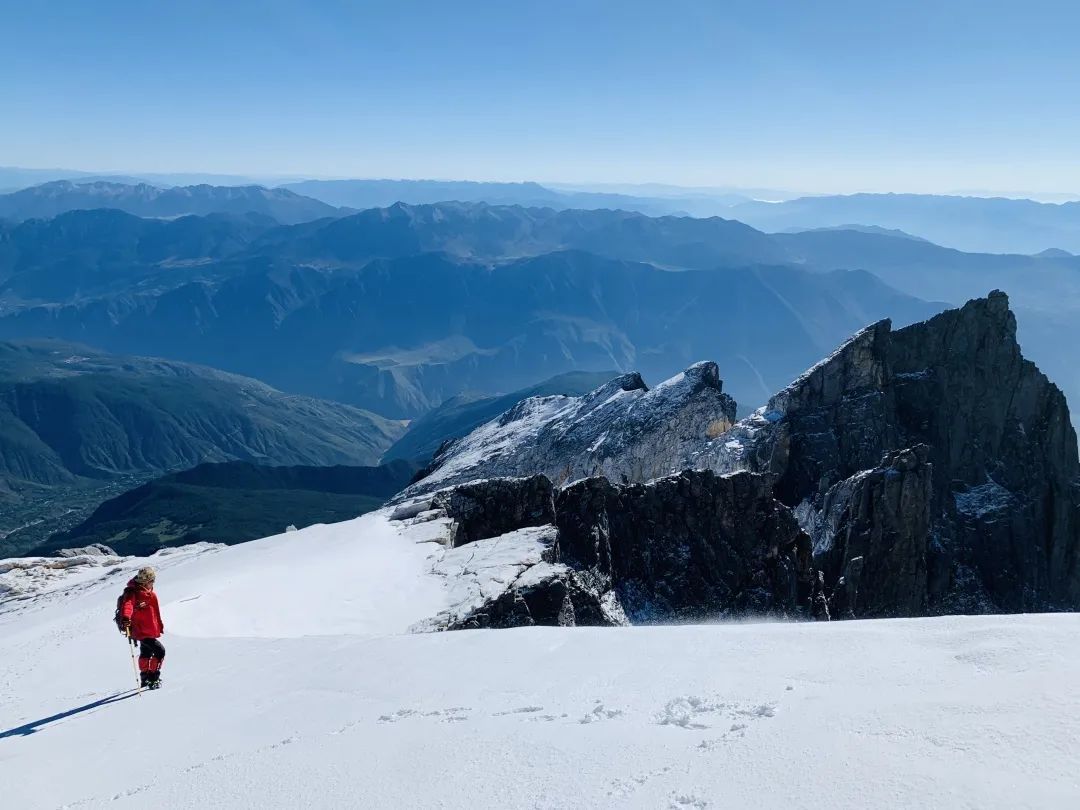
[(292, 680)]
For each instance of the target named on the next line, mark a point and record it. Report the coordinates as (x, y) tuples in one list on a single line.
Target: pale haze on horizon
[(828, 97)]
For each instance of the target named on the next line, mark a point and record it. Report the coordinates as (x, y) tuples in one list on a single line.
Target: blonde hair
[(145, 575)]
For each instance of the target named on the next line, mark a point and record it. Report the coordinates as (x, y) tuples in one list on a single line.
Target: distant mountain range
[(399, 309), (231, 503), (61, 196), (978, 224), (383, 193), (971, 223), (13, 178)]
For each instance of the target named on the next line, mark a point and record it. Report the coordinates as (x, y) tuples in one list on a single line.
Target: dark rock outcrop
[(688, 546), (496, 506), (556, 597), (880, 517), (1002, 527)]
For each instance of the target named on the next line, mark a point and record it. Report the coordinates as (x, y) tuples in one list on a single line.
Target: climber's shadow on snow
[(38, 725)]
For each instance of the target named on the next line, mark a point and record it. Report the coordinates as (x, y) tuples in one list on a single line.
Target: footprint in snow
[(687, 712), (455, 714), (521, 710), (600, 712), (400, 714), (687, 802), (737, 731), (623, 788), (548, 718), (690, 712)]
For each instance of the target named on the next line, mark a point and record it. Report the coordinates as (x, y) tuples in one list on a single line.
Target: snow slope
[(623, 430), (291, 682)]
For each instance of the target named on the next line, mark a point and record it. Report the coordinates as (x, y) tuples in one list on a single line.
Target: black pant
[(152, 648)]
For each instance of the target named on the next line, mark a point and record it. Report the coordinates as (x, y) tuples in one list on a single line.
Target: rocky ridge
[(930, 469), (623, 430)]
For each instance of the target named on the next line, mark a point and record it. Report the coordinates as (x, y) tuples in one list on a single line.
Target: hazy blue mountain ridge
[(60, 196), (977, 224), (398, 309)]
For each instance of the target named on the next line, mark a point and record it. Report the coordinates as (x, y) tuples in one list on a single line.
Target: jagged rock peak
[(857, 365), (704, 373), (1001, 459)]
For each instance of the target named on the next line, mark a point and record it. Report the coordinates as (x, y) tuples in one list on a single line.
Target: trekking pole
[(134, 663)]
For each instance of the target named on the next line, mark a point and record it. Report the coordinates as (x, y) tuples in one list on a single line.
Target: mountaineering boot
[(145, 680), (154, 680)]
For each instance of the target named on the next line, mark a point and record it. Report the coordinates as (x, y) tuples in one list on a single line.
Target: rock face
[(882, 518), (497, 506), (513, 580), (688, 545), (622, 430), (926, 470), (1002, 527)]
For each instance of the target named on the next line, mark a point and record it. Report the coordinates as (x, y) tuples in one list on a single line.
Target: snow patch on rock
[(984, 501)]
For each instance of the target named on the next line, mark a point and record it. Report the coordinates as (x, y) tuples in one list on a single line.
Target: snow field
[(290, 682)]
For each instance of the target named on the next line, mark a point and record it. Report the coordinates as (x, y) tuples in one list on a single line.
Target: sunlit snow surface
[(291, 681)]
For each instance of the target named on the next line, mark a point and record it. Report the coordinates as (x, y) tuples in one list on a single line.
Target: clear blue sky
[(806, 95)]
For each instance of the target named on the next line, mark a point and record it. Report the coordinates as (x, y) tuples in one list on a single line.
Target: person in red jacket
[(139, 617)]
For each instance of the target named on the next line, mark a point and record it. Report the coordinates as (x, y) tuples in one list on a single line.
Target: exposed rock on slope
[(882, 518), (622, 430), (1004, 514), (491, 508), (932, 468), (689, 546), (461, 415)]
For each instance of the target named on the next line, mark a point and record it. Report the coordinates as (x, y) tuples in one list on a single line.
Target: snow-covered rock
[(92, 550), (27, 582), (622, 430), (512, 580)]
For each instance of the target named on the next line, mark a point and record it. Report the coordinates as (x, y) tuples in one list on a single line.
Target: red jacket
[(141, 606)]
